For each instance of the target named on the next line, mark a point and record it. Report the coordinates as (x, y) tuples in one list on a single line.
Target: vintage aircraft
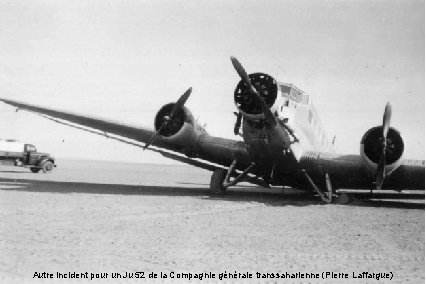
[(284, 143)]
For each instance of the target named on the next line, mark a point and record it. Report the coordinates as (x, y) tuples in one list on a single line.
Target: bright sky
[(123, 60)]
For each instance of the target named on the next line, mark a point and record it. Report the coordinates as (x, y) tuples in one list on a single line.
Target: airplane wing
[(106, 126), (208, 153)]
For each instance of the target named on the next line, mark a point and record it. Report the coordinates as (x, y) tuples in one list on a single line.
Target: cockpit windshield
[(293, 93)]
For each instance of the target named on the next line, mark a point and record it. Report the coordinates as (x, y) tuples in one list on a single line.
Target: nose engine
[(245, 101)]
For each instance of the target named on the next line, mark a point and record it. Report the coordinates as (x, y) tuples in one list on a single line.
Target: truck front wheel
[(47, 166), (35, 170)]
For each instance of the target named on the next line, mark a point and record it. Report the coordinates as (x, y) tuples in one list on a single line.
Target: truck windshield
[(31, 148)]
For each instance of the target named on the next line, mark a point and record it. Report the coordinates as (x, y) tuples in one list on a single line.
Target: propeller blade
[(266, 111), (154, 137), (243, 74), (386, 120), (181, 101), (380, 171)]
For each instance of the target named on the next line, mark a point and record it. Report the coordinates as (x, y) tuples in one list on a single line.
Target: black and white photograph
[(215, 141)]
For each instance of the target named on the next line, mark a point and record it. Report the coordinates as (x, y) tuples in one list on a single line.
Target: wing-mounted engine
[(175, 124), (267, 89), (181, 129), (382, 149), (371, 149)]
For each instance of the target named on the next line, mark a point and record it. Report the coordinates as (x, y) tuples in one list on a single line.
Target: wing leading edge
[(107, 126)]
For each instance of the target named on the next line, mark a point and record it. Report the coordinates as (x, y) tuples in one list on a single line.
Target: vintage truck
[(16, 153)]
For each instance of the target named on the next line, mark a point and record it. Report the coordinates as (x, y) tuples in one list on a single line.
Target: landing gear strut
[(221, 178), (327, 197)]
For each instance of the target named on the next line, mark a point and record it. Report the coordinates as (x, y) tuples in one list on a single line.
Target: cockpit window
[(293, 93)]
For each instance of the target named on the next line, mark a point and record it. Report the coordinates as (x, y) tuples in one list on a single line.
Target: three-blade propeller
[(243, 74), (168, 118), (380, 172)]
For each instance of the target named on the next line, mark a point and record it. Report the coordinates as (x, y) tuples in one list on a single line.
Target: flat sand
[(102, 217)]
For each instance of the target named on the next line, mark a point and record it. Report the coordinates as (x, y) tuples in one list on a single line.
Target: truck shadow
[(268, 197)]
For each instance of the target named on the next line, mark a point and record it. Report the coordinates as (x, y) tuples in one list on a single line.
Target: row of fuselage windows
[(316, 127)]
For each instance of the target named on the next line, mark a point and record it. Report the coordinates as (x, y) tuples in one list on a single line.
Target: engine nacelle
[(371, 149), (182, 130), (268, 90)]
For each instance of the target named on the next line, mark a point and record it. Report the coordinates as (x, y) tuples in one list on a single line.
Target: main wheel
[(216, 182), (34, 170), (47, 167)]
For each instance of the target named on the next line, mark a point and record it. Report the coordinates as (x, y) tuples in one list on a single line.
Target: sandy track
[(111, 217)]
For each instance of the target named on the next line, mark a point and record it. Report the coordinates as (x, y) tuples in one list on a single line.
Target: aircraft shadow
[(15, 172), (388, 203), (237, 194)]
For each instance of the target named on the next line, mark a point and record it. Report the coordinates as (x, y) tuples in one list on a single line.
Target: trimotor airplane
[(284, 143)]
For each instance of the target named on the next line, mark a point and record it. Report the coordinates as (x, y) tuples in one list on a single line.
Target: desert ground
[(103, 217)]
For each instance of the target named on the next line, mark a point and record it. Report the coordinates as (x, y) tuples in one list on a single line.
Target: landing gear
[(327, 197), (221, 178), (216, 182)]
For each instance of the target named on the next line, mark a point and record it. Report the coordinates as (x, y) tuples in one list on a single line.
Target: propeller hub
[(167, 124)]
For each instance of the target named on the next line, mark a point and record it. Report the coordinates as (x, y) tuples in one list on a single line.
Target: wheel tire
[(216, 182), (47, 166), (35, 170)]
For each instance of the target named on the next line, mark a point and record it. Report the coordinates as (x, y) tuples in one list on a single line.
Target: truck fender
[(40, 162)]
